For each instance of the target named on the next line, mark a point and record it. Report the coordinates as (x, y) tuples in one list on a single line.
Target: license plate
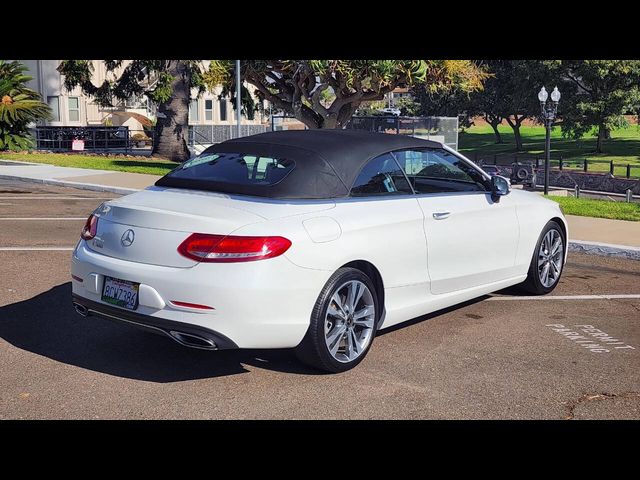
[(120, 293)]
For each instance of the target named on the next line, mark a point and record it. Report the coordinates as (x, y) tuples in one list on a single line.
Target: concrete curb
[(604, 249), (83, 186)]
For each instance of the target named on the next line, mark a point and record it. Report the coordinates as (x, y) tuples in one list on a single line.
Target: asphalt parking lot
[(574, 354)]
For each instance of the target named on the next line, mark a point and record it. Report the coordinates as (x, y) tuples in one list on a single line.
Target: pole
[(238, 98), (547, 155)]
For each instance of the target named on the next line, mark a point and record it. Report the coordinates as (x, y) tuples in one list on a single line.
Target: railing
[(94, 139), (585, 165), (440, 129), (203, 136)]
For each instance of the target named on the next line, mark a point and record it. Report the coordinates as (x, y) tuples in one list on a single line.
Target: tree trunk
[(496, 132), (602, 134), (173, 117), (515, 126), (517, 136)]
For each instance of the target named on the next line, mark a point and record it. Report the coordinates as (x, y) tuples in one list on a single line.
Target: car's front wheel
[(547, 261), (343, 322)]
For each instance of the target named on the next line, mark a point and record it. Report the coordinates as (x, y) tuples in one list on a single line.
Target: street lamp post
[(238, 98), (549, 111)]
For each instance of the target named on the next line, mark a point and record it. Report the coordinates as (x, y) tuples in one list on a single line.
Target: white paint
[(566, 297), (35, 249), (601, 342), (43, 218)]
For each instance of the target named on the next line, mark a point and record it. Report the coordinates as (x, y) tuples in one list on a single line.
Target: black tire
[(313, 349), (522, 173), (532, 284)]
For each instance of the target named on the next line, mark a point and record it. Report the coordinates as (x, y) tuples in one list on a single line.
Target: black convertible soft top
[(327, 162)]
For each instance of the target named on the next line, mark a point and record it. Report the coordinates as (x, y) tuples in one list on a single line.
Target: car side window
[(381, 176), (435, 170)]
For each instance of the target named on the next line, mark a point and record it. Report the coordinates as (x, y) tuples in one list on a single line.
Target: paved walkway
[(597, 231), (603, 230), (90, 179)]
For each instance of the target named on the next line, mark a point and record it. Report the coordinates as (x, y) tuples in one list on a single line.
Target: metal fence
[(94, 139), (440, 129), (585, 165), (202, 136)]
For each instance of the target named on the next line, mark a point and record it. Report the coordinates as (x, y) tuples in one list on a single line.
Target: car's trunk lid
[(147, 227)]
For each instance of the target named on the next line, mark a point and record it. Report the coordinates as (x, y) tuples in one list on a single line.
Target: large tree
[(596, 94), (512, 93), (300, 87), (20, 106), (168, 83), (509, 94)]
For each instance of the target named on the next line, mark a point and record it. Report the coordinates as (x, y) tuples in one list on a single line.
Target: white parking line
[(566, 297), (35, 249), (43, 218)]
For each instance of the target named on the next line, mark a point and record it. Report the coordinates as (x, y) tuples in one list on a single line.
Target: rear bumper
[(265, 304), (170, 328)]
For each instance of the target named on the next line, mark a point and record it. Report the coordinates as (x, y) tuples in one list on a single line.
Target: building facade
[(73, 108)]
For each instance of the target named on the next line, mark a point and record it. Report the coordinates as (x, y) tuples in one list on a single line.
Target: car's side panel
[(472, 240), (386, 231), (534, 212)]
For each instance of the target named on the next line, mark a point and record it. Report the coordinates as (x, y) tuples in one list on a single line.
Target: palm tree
[(19, 107)]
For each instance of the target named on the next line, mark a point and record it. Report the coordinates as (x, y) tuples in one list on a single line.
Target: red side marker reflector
[(77, 279), (191, 305)]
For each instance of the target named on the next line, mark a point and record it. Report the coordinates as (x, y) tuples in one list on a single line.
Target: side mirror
[(499, 186)]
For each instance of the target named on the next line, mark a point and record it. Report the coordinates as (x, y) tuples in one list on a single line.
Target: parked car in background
[(523, 173), (492, 170), (390, 111), (312, 239)]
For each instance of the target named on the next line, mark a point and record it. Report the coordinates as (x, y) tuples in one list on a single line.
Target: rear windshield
[(234, 168)]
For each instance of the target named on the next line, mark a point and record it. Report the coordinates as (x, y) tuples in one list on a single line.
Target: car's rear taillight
[(90, 228), (232, 248)]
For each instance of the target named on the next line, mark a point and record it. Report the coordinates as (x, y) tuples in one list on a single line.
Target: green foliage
[(19, 107), (153, 166), (408, 106), (585, 207), (138, 77), (596, 94), (299, 87)]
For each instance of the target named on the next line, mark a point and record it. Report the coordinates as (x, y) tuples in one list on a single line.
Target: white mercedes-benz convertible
[(312, 239)]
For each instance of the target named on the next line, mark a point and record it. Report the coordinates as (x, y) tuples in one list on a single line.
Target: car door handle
[(441, 215)]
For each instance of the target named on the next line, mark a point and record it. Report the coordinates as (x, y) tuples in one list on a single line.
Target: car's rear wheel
[(343, 322), (547, 262)]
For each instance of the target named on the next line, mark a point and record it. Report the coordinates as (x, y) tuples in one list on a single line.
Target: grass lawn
[(623, 148), (586, 207), (155, 166)]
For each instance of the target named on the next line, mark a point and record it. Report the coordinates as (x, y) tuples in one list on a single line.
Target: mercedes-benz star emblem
[(127, 238)]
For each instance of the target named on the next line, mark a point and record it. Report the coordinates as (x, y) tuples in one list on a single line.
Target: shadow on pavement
[(48, 325)]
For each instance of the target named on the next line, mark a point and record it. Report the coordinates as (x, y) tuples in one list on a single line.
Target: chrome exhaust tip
[(193, 341), (81, 309)]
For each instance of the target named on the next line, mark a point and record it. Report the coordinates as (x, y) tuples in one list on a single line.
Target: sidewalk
[(84, 178), (588, 235)]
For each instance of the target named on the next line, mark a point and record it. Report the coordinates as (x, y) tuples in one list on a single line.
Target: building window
[(223, 109), (54, 104), (208, 109), (194, 114), (74, 109)]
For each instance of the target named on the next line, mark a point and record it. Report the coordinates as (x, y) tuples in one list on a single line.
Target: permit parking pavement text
[(590, 337)]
